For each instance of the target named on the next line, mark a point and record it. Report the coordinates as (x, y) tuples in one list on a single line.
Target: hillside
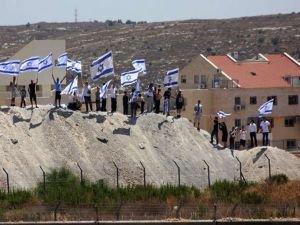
[(56, 138), (164, 45)]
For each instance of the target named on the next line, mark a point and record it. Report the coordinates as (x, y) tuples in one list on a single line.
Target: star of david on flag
[(10, 68), (171, 79), (102, 67), (45, 63), (62, 60), (30, 65), (130, 77)]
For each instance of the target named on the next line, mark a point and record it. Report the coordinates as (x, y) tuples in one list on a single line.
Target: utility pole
[(76, 15)]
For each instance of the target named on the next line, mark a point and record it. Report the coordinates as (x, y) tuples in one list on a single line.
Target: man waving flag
[(103, 66)]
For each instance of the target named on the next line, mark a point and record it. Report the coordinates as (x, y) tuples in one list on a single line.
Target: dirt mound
[(54, 138)]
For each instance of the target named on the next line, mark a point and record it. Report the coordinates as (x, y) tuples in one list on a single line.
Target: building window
[(237, 122), (289, 121), (237, 101), (196, 79), (273, 97), (291, 144), (253, 100), (293, 99), (183, 79)]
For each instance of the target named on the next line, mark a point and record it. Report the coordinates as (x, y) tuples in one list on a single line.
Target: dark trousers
[(23, 102), (253, 139), (125, 108), (113, 105), (98, 105), (231, 143), (157, 106), (216, 134), (265, 139), (87, 101), (142, 107), (103, 107), (133, 106)]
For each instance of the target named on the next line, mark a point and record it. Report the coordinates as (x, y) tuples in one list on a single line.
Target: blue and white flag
[(30, 65), (10, 68), (70, 64), (137, 88), (222, 114), (171, 79), (71, 88), (77, 67), (103, 66), (104, 89), (139, 64), (62, 60), (130, 77), (45, 63), (266, 108)]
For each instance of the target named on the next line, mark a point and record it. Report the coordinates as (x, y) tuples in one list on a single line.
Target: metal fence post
[(44, 178), (55, 211), (117, 173), (144, 171), (269, 163), (178, 171), (208, 173), (81, 174), (242, 178), (7, 180)]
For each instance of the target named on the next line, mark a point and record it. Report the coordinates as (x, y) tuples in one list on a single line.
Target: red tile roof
[(258, 74)]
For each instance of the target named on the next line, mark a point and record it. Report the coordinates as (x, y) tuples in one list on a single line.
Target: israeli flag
[(266, 108), (45, 63), (77, 67), (10, 68), (104, 89), (130, 77), (71, 88), (70, 64), (222, 114), (139, 64), (171, 79), (103, 66), (62, 60), (137, 88), (30, 65)]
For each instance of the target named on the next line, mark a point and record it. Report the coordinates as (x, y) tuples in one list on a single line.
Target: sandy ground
[(54, 138)]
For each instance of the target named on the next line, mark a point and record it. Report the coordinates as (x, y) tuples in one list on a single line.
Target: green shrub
[(278, 179)]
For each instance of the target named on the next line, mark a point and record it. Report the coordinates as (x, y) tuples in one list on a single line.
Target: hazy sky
[(14, 12)]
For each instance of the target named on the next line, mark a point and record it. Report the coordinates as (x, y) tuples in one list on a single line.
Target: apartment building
[(240, 87)]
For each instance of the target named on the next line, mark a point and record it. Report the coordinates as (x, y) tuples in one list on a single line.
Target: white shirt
[(85, 90), (113, 92), (150, 92), (252, 127), (265, 126), (243, 134)]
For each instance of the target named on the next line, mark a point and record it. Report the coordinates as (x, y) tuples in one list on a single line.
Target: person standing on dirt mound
[(125, 103), (215, 132), (224, 130), (167, 97), (57, 85), (197, 113), (32, 94), (179, 104)]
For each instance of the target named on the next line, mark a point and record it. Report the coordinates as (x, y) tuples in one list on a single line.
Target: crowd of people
[(238, 136), (137, 102)]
